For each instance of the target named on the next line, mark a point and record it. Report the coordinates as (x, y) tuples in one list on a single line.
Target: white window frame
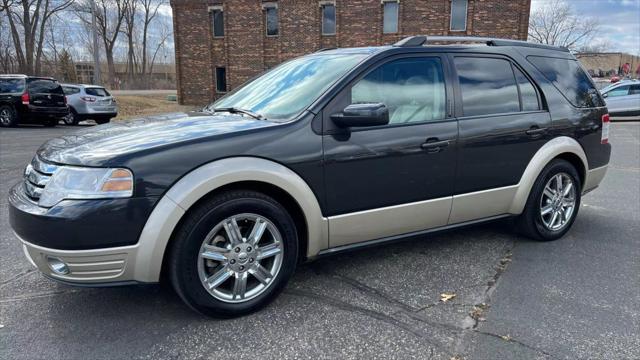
[(466, 14), (266, 6), (335, 19), (211, 9), (384, 2)]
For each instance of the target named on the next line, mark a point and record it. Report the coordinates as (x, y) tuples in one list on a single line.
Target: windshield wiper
[(235, 110)]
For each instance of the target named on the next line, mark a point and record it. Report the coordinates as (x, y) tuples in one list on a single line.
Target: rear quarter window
[(70, 90), (97, 92), (11, 86), (570, 79), (41, 86)]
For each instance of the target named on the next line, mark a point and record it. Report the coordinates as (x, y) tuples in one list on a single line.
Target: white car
[(623, 98)]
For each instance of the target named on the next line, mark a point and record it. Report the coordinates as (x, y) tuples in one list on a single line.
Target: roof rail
[(489, 41)]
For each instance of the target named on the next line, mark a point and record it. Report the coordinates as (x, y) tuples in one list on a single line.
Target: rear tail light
[(606, 122), (25, 99), (88, 99)]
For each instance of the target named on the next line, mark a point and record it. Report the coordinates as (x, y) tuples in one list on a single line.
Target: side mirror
[(358, 115), (605, 95)]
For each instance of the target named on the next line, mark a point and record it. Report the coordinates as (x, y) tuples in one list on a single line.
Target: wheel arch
[(562, 147), (252, 173)]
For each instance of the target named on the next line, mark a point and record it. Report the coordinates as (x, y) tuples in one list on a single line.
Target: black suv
[(29, 99), (328, 152)]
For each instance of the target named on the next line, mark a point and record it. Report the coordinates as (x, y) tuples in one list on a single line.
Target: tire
[(72, 118), (207, 224), (537, 220), (8, 116), (101, 121)]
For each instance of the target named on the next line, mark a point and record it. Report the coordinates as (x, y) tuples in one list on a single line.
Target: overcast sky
[(619, 21)]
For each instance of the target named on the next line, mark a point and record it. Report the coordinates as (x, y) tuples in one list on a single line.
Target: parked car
[(623, 98), (329, 152), (31, 99), (89, 102)]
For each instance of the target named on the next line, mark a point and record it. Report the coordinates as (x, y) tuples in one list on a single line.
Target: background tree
[(67, 68), (557, 24), (27, 21), (109, 19)]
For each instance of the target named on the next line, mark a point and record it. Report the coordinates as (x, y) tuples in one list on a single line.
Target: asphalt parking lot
[(578, 297)]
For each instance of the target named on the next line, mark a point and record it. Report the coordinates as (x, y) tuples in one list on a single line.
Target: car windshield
[(11, 86), (288, 89)]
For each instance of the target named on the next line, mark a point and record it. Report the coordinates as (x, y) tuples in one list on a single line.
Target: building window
[(221, 79), (271, 14), (390, 20), (458, 15), (218, 21), (328, 18)]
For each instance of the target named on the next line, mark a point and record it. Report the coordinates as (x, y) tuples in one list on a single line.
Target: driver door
[(383, 181)]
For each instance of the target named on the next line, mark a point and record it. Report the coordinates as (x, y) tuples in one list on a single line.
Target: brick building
[(222, 43)]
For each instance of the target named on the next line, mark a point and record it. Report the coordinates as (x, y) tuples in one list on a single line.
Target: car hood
[(97, 145)]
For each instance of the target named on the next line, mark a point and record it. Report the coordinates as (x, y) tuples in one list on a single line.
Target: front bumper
[(96, 267)]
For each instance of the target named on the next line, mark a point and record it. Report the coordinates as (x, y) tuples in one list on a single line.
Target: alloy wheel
[(5, 117), (69, 119), (240, 257), (558, 202)]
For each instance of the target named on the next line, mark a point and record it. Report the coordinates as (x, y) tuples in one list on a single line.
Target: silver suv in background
[(89, 102), (623, 98)]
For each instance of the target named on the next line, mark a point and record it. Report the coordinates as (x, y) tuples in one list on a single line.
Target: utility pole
[(96, 50)]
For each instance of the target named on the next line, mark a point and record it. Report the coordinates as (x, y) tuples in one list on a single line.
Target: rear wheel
[(8, 116), (71, 118), (233, 254), (553, 202)]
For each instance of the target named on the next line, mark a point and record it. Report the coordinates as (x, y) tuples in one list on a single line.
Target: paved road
[(576, 297)]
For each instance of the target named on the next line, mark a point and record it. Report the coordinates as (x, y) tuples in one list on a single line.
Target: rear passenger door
[(501, 126)]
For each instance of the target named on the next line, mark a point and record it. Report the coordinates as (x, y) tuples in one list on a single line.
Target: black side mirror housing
[(360, 115)]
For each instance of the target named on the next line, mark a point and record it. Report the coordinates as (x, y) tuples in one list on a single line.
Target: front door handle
[(535, 131), (434, 145)]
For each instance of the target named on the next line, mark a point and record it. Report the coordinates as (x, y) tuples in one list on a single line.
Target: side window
[(413, 89), (221, 79), (390, 17), (488, 86), (619, 91), (271, 14), (634, 90), (458, 15), (528, 95), (70, 90), (569, 78), (218, 22), (328, 19)]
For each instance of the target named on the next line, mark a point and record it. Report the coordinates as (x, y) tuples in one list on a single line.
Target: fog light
[(58, 266)]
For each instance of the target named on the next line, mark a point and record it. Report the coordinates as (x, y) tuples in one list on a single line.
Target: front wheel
[(553, 203), (233, 254)]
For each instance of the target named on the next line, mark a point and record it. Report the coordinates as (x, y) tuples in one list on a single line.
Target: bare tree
[(150, 11), (129, 31), (557, 24), (27, 21), (109, 19)]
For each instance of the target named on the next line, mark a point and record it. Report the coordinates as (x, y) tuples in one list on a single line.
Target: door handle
[(535, 131), (434, 145)]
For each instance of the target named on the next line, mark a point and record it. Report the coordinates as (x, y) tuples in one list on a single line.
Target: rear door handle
[(536, 131), (434, 145)]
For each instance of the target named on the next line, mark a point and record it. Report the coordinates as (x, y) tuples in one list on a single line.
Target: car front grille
[(36, 176)]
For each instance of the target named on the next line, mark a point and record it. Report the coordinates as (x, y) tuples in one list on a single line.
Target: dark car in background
[(30, 99)]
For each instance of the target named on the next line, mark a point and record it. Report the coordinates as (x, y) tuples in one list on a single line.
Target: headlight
[(86, 183)]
